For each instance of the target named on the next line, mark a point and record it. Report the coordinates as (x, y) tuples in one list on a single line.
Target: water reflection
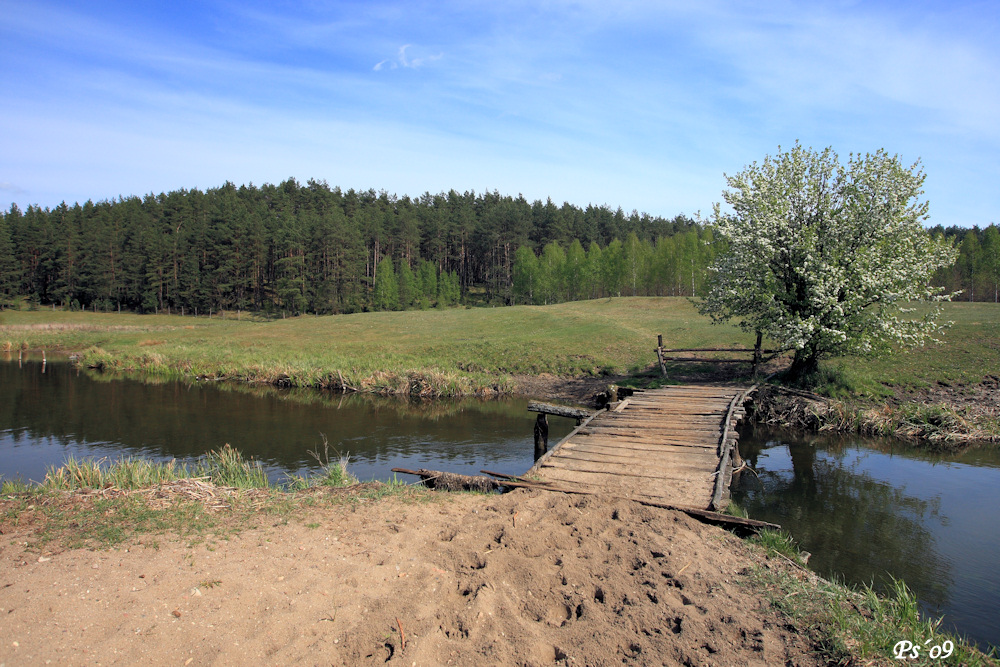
[(869, 510), (45, 418)]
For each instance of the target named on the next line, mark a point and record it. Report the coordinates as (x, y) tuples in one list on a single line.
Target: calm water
[(46, 417), (870, 509)]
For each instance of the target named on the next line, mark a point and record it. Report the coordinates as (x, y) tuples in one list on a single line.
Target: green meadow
[(466, 351)]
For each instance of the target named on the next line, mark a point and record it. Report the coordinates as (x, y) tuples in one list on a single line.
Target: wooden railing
[(757, 355)]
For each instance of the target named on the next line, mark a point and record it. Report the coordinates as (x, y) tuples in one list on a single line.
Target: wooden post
[(659, 354), (756, 352), (541, 435)]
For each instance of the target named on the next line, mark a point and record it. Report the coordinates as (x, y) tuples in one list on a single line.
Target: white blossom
[(823, 258)]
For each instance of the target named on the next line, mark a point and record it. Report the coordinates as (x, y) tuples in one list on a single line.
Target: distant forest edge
[(293, 248)]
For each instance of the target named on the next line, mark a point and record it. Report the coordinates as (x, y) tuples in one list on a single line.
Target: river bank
[(374, 574), (570, 351), (941, 416)]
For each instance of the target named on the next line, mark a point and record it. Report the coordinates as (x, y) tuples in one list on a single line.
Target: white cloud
[(402, 60)]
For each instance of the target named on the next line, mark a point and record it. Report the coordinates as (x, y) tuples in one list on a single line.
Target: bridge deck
[(663, 445)]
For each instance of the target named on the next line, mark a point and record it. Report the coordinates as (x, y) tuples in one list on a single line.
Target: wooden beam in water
[(559, 410)]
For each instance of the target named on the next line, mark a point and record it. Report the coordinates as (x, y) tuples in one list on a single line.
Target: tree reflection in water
[(839, 501)]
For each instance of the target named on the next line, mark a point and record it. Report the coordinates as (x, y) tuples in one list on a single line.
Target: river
[(871, 509), (47, 417)]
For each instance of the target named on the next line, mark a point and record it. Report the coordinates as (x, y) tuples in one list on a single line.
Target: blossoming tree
[(826, 259)]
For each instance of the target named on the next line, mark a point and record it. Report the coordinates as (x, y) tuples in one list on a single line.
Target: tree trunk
[(805, 363)]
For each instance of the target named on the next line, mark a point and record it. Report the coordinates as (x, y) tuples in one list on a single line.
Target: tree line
[(976, 272), (297, 248), (290, 247)]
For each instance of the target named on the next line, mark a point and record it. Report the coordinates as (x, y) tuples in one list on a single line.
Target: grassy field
[(462, 351)]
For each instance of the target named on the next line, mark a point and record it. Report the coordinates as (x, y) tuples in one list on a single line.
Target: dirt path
[(528, 578)]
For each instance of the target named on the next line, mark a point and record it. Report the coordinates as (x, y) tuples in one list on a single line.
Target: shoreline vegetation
[(941, 394)]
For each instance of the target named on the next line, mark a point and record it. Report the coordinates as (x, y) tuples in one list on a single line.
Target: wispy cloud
[(402, 60), (643, 104), (11, 188)]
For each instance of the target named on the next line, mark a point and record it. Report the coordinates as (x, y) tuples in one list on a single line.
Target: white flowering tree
[(825, 259)]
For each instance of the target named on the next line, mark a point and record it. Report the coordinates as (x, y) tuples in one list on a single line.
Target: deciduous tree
[(824, 258)]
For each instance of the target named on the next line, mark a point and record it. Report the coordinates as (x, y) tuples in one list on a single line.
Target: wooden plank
[(700, 415), (651, 444), (566, 463), (701, 494), (666, 418), (655, 426), (664, 469), (656, 437), (679, 400), (640, 449), (627, 457)]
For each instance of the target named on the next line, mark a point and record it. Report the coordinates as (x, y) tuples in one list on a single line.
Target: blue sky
[(643, 105)]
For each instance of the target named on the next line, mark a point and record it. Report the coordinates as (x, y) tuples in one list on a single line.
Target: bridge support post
[(541, 435)]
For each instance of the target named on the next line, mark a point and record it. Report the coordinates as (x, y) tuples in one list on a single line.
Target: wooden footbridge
[(675, 446)]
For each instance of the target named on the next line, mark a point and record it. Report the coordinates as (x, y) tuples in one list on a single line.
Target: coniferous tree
[(8, 275)]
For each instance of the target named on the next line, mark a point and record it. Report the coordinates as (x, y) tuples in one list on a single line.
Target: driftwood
[(715, 518), (449, 481)]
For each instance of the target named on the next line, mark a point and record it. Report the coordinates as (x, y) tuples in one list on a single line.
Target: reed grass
[(333, 474), (223, 467)]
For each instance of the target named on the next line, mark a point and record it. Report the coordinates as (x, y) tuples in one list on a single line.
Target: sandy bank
[(528, 578)]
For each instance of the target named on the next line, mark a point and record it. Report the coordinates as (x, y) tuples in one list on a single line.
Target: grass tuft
[(223, 467), (781, 543), (333, 474)]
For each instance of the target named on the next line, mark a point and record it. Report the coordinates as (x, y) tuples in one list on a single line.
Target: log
[(717, 349), (707, 516), (559, 410), (449, 481)]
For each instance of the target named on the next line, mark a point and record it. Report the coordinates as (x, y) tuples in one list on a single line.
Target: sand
[(527, 578)]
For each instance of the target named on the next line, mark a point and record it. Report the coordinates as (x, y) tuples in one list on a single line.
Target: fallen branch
[(449, 481)]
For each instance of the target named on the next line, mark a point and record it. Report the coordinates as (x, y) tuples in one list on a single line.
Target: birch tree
[(826, 259)]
